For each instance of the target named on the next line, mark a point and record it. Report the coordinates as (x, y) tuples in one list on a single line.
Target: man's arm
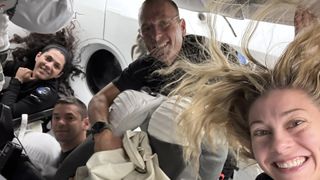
[(98, 110), (100, 103)]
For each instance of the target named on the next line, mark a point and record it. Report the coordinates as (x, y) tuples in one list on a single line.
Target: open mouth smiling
[(291, 164)]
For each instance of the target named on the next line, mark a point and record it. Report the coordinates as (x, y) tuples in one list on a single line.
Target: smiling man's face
[(162, 30)]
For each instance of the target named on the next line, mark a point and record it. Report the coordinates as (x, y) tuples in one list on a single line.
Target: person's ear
[(38, 55), (183, 26), (86, 123)]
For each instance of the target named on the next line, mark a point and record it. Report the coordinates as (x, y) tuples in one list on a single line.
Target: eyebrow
[(285, 113), (162, 19), (51, 58), (255, 122), (66, 114), (290, 111)]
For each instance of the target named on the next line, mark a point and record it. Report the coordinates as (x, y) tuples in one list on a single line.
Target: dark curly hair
[(36, 42)]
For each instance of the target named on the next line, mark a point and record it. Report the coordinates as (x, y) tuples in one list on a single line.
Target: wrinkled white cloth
[(42, 149), (4, 37), (43, 16), (134, 162), (131, 109)]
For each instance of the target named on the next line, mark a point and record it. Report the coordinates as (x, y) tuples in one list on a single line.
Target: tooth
[(292, 163)]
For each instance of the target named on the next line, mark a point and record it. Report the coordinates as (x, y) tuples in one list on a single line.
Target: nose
[(281, 142), (156, 33), (60, 121), (48, 65)]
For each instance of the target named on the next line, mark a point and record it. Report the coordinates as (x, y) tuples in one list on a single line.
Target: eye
[(57, 66), (164, 24), (145, 29), (295, 123), (260, 132), (56, 118), (70, 118), (48, 58)]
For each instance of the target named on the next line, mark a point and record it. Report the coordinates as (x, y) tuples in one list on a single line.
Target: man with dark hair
[(69, 124)]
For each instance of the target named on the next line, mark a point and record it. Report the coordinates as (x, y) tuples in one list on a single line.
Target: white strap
[(23, 126)]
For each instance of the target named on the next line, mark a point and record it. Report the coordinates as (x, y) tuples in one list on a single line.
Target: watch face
[(98, 126)]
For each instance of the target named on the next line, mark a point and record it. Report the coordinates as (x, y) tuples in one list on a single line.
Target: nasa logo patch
[(43, 91)]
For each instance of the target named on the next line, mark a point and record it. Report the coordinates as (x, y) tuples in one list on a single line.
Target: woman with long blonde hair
[(270, 115)]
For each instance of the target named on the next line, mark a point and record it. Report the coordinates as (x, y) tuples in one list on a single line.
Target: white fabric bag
[(134, 162)]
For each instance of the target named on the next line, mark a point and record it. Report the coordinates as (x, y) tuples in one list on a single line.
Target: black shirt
[(263, 176), (142, 72), (29, 97), (63, 156)]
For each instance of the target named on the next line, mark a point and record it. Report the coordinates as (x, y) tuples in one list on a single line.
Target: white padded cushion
[(131, 108), (163, 122), (42, 148)]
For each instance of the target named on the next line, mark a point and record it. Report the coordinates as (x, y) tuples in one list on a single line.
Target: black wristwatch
[(99, 126)]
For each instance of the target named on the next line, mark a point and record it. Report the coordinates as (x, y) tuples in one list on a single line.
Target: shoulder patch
[(43, 91)]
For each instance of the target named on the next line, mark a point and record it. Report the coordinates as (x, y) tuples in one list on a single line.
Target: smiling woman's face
[(285, 135), (49, 65)]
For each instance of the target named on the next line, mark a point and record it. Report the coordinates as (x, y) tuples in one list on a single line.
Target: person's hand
[(24, 75), (158, 53), (303, 18), (105, 140)]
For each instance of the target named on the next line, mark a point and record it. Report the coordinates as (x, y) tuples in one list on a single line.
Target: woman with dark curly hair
[(40, 71)]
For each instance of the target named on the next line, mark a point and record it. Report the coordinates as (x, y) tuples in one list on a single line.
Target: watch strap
[(99, 126)]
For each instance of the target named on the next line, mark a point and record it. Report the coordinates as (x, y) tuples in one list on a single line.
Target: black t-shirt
[(263, 176), (142, 72), (63, 156), (29, 97)]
